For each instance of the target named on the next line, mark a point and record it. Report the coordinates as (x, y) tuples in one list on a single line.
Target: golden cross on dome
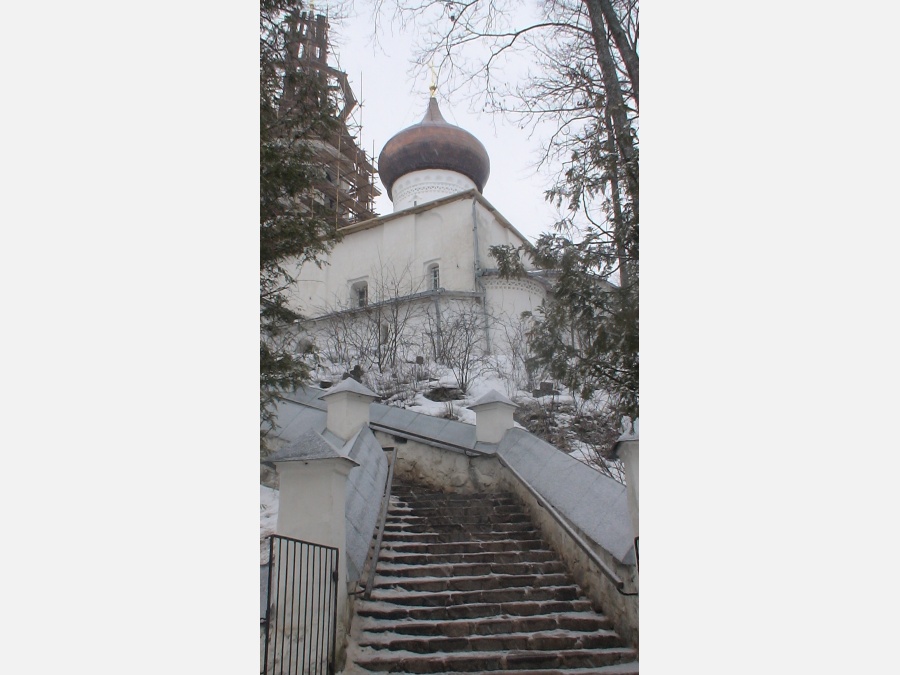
[(433, 87)]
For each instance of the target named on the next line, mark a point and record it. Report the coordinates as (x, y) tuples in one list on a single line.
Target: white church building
[(416, 543), (432, 251)]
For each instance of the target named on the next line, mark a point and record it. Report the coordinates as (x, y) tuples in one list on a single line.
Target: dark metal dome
[(433, 143)]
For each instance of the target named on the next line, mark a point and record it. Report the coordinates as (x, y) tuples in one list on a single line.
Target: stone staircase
[(464, 583)]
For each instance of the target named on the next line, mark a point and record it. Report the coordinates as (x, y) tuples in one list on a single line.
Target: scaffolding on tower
[(347, 180)]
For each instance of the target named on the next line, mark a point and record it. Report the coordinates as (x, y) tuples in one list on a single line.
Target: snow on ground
[(420, 404), (268, 516)]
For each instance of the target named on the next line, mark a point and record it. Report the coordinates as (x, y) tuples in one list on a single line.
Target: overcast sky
[(392, 100)]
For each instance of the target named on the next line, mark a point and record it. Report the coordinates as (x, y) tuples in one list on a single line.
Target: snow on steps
[(465, 584)]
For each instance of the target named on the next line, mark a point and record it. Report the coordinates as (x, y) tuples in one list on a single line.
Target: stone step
[(469, 662), (421, 557), (473, 506), (395, 611), (629, 668), (538, 640), (492, 596), (417, 495), (397, 508), (451, 536), (431, 524), (572, 621), (495, 546), (522, 524), (465, 584), (423, 568), (473, 583), (511, 523), (417, 502)]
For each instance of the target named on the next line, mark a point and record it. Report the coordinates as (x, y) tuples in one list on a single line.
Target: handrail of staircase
[(382, 518), (405, 433), (557, 516)]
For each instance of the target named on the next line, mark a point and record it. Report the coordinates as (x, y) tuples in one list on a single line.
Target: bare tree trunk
[(623, 44), (615, 101), (620, 233)]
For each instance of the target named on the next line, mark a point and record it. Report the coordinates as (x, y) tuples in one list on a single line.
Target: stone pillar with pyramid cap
[(493, 417), (626, 449), (312, 477), (348, 408)]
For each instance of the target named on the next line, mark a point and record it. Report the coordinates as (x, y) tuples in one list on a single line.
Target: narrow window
[(434, 277), (360, 294)]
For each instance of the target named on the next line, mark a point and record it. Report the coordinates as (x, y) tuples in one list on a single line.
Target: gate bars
[(301, 608)]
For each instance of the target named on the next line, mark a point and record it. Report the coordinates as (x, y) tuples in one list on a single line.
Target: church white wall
[(352, 338), (491, 232), (395, 253), (511, 297), (506, 300), (419, 187), (393, 257)]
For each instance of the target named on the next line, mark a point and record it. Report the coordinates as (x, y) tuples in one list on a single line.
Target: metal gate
[(301, 608)]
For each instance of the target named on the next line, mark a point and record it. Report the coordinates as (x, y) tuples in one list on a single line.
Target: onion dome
[(433, 143)]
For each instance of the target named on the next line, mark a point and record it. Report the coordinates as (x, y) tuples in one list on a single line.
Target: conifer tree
[(295, 229)]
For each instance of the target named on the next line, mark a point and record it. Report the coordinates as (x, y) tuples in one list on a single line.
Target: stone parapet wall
[(621, 609), (365, 487), (442, 469)]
